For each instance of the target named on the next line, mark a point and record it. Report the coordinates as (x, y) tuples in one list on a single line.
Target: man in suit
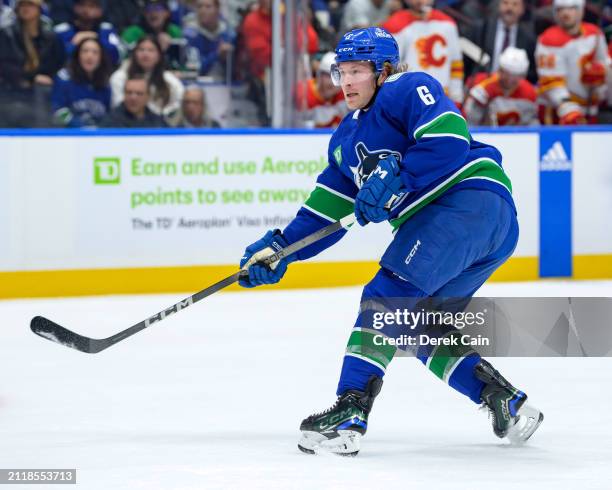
[(494, 35)]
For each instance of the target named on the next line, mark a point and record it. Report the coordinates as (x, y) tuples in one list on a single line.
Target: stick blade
[(49, 330)]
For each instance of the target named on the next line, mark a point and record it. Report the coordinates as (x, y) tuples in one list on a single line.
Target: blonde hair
[(389, 69)]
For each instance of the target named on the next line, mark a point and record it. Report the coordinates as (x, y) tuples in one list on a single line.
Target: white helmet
[(326, 62), (557, 4), (515, 61)]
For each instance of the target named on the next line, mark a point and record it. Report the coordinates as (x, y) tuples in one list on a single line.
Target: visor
[(355, 72)]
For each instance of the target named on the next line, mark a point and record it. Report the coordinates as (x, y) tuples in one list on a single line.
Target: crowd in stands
[(145, 63)]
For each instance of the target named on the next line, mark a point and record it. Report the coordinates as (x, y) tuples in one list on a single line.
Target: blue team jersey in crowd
[(78, 105), (414, 120), (106, 35)]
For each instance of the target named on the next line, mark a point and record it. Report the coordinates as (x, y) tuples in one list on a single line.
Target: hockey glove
[(593, 74), (383, 185), (570, 113), (260, 274)]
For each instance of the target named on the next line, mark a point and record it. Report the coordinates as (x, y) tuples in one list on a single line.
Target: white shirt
[(499, 42)]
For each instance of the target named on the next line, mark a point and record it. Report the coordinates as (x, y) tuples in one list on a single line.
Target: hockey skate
[(339, 429), (511, 416)]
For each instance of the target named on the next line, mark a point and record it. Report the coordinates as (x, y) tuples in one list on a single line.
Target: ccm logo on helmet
[(342, 50)]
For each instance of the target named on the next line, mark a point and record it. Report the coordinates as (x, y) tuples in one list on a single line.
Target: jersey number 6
[(425, 95)]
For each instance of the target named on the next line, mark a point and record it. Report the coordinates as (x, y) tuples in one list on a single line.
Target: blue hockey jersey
[(77, 105), (106, 34), (414, 120)]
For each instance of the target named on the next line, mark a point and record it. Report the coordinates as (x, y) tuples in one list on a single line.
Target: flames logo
[(592, 72), (426, 46), (510, 118)]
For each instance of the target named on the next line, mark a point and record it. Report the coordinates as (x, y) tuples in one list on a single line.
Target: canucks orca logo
[(368, 161)]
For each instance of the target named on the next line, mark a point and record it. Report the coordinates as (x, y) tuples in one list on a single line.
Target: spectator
[(61, 11), (256, 52), (494, 34), (506, 98), (155, 21), (133, 111), (213, 38), (81, 93), (257, 34), (363, 13), (7, 16), (30, 55), (165, 89), (88, 23), (428, 41), (324, 102), (123, 13), (194, 110), (572, 63)]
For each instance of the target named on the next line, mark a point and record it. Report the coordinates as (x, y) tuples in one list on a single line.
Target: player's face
[(507, 80), (568, 17), (326, 86), (421, 6), (357, 79)]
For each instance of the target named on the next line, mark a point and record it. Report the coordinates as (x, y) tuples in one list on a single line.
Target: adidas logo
[(555, 159)]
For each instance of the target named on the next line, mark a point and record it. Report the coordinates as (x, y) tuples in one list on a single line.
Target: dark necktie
[(506, 41)]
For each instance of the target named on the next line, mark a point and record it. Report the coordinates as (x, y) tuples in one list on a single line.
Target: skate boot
[(339, 428), (511, 416)]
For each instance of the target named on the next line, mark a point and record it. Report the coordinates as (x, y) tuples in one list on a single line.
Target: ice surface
[(212, 398)]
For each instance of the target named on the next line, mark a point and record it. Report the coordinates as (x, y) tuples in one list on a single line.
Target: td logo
[(107, 170)]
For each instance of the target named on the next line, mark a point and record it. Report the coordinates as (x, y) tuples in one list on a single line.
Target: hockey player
[(404, 154), (429, 41), (324, 102), (506, 98), (572, 64)]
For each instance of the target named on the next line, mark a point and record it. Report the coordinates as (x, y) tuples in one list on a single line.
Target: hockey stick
[(56, 333)]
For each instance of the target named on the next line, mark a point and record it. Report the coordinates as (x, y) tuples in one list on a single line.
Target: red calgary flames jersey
[(572, 68), (324, 113), (489, 105), (430, 45)]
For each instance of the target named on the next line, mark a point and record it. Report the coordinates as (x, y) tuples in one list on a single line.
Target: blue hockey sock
[(355, 374), (464, 380)]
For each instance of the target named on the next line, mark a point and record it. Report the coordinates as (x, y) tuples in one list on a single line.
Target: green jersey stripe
[(479, 168), (335, 192), (445, 135), (447, 123), (314, 211), (331, 205)]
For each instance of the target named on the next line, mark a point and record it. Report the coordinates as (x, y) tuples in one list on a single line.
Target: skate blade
[(346, 444), (529, 420)]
